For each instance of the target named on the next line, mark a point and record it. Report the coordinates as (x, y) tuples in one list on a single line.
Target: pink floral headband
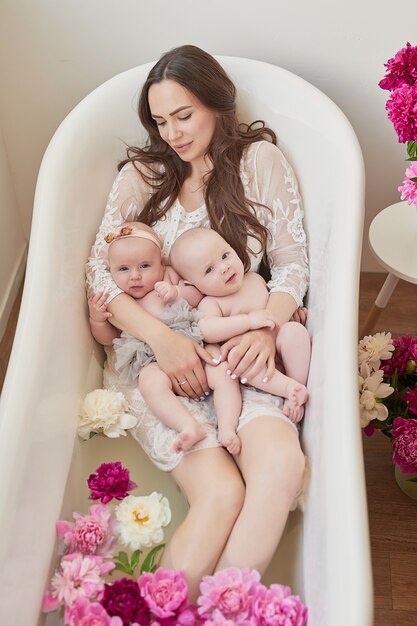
[(131, 231)]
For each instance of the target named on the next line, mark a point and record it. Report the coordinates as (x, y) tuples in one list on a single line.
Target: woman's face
[(183, 121)]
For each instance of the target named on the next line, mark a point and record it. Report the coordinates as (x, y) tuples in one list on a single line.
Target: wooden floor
[(392, 515)]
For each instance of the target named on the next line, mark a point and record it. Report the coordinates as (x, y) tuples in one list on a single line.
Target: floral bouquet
[(85, 595), (388, 394), (401, 81)]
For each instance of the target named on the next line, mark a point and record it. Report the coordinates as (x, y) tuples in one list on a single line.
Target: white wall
[(54, 52), (12, 241)]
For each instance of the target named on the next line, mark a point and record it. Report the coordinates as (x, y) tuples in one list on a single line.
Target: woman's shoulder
[(259, 153)]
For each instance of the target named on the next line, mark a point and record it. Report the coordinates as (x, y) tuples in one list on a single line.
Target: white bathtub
[(325, 552)]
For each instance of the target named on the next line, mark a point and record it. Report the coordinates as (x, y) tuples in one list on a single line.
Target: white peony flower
[(141, 518), (373, 349), (372, 390), (104, 411)]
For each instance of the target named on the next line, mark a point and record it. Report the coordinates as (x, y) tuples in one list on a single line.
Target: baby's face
[(211, 265), (135, 265)]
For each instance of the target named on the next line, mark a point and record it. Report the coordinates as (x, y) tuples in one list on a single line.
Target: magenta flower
[(230, 591), (410, 398), (405, 349), (111, 480), (277, 607), (402, 69), (402, 111), (165, 591), (123, 599), (90, 534), (78, 576), (85, 613), (404, 445), (409, 188)]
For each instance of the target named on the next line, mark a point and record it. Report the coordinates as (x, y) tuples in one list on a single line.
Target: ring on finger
[(183, 382)]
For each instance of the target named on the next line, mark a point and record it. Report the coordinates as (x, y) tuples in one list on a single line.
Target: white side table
[(393, 241)]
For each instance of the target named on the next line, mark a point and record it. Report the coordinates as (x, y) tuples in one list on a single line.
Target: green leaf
[(412, 480), (122, 568), (412, 148), (149, 564), (414, 180), (412, 159), (134, 560), (123, 558)]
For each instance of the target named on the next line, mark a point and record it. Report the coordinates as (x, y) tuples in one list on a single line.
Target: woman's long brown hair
[(231, 214)]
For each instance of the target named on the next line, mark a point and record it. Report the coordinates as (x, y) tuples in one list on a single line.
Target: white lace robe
[(268, 179)]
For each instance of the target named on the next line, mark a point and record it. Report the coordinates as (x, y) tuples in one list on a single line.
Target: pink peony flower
[(405, 349), (277, 607), (123, 599), (405, 444), (410, 398), (165, 591), (111, 480), (78, 576), (409, 188), (230, 591), (218, 619), (85, 613), (402, 69), (90, 534), (402, 111)]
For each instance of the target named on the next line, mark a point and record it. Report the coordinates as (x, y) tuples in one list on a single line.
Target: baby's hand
[(261, 319), (98, 308), (168, 293)]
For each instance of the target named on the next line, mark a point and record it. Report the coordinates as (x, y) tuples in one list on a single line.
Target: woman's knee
[(281, 466), (293, 331), (223, 499)]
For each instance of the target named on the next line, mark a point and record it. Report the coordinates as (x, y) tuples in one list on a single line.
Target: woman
[(201, 168)]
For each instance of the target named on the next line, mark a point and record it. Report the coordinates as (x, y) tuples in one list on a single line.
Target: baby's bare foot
[(230, 440), (294, 414), (293, 405), (188, 436)]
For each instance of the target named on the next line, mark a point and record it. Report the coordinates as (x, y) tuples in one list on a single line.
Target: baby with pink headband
[(136, 265)]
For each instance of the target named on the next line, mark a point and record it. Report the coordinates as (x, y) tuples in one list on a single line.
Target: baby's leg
[(156, 389), (294, 348), (279, 384), (227, 402)]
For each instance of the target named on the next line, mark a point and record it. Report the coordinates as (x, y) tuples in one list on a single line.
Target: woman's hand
[(180, 358), (249, 354)]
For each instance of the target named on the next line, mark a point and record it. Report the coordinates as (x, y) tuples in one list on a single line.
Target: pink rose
[(230, 591), (277, 607), (165, 591), (405, 444)]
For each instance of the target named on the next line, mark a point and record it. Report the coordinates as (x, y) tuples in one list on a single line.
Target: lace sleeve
[(287, 249), (127, 197)]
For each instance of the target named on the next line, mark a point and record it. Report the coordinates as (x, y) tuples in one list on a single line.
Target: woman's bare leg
[(213, 486), (272, 465)]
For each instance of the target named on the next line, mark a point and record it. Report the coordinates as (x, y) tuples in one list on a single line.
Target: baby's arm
[(101, 329), (216, 328), (173, 288)]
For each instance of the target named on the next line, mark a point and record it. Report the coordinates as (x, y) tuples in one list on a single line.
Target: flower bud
[(410, 367)]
